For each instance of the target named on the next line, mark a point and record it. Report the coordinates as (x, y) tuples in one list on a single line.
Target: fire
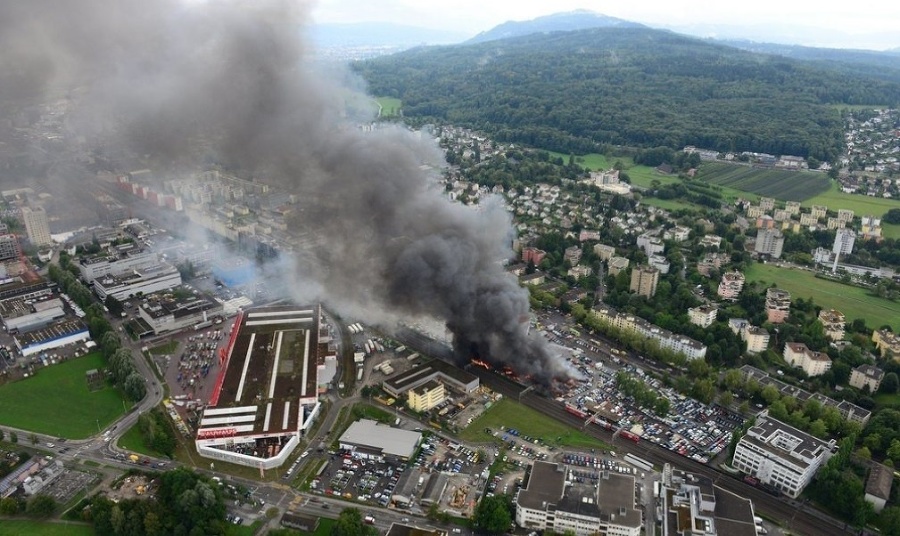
[(480, 363)]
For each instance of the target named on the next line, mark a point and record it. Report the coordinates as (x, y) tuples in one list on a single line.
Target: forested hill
[(574, 91)]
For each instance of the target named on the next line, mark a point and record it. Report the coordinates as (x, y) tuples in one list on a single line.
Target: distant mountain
[(558, 22), (576, 91), (855, 60), (381, 34)]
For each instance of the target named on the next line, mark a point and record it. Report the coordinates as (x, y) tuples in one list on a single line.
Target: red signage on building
[(219, 432)]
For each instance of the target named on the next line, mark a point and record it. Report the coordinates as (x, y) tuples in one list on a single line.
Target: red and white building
[(266, 394)]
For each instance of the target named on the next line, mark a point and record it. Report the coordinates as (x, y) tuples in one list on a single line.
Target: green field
[(780, 184), (389, 106), (22, 527), (56, 401), (861, 205), (511, 414), (854, 302), (133, 441)]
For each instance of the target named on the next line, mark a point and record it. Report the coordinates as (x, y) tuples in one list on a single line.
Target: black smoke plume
[(232, 83)]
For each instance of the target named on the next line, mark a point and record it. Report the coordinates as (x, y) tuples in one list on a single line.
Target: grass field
[(511, 414), (861, 205), (780, 184), (389, 106), (43, 528), (854, 302), (132, 441), (56, 401)]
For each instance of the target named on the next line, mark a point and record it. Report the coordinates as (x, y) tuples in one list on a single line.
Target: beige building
[(813, 363), (793, 207), (887, 342), (819, 211), (604, 252), (778, 305), (617, 264), (644, 280), (757, 339), (833, 322), (866, 375), (426, 396), (37, 225)]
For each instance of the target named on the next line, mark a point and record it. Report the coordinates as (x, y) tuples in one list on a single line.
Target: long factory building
[(266, 394)]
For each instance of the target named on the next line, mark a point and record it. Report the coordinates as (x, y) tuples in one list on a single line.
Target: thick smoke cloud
[(228, 82)]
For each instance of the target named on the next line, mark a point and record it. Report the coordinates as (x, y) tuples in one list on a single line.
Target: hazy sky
[(859, 24)]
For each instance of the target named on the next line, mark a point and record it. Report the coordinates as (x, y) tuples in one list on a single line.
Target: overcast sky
[(853, 24)]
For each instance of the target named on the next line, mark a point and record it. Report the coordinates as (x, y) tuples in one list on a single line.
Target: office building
[(554, 499), (780, 455)]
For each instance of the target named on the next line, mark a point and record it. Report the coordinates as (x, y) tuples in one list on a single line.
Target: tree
[(40, 506), (135, 387), (890, 383), (9, 506), (350, 523), (889, 521), (769, 394), (1, 435), (493, 514), (33, 438), (13, 437)]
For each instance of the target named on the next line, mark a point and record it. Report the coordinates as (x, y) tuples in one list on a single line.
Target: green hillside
[(573, 92)]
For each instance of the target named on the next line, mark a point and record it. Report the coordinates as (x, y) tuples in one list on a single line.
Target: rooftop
[(57, 330), (880, 480), (391, 441), (545, 486)]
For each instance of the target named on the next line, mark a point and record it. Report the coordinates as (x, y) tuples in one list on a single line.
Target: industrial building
[(435, 369), (115, 260), (368, 439), (145, 281), (55, 335), (21, 314), (266, 395), (780, 455), (170, 311), (553, 499)]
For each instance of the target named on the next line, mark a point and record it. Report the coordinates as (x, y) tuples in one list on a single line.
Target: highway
[(793, 515)]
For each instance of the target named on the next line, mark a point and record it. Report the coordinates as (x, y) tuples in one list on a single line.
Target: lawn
[(780, 184), (591, 161), (511, 414), (854, 302), (22, 527), (861, 205), (163, 349), (56, 401), (133, 441), (325, 525), (389, 106)]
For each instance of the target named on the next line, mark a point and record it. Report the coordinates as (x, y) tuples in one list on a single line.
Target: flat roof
[(545, 486), (389, 440), (270, 369), (166, 303), (54, 331), (423, 372)]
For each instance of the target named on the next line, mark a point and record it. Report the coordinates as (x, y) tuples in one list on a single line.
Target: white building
[(731, 285), (55, 335), (25, 314), (368, 439), (552, 499), (866, 376), (689, 500), (116, 261), (703, 315), (757, 339), (691, 348), (780, 455), (146, 281), (769, 242), (813, 363)]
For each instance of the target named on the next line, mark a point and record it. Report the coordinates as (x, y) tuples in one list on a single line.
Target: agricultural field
[(780, 184), (511, 414), (56, 401), (388, 106), (854, 302)]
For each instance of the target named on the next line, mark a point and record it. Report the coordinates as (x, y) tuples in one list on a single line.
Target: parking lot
[(690, 428)]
